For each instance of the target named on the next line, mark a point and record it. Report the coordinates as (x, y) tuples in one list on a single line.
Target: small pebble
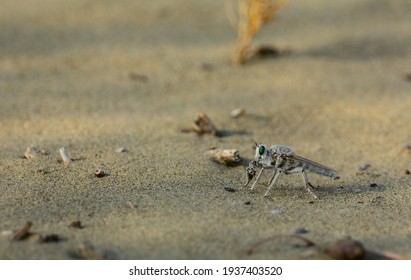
[(237, 112)]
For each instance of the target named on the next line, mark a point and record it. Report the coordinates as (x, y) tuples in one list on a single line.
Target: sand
[(94, 76)]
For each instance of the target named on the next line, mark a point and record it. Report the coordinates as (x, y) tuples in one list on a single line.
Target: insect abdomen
[(321, 171)]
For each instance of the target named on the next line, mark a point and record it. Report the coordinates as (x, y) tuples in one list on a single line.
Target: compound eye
[(261, 150)]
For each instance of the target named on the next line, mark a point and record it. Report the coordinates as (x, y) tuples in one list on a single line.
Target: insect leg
[(307, 184), (272, 178), (256, 179), (272, 181)]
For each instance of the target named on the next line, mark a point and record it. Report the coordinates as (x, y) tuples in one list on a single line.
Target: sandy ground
[(94, 76)]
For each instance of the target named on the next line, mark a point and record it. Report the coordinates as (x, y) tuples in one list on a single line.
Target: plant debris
[(228, 189), (23, 233), (225, 156), (253, 14), (32, 152), (204, 125), (342, 249)]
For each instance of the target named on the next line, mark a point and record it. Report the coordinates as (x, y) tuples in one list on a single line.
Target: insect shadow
[(371, 187)]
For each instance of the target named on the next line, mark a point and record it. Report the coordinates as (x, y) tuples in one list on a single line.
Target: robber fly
[(284, 161)]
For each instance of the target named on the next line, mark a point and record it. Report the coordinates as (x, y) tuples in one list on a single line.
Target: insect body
[(284, 161)]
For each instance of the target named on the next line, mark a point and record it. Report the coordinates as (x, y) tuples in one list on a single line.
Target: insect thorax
[(282, 150)]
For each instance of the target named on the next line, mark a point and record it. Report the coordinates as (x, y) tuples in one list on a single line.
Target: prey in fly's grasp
[(284, 161)]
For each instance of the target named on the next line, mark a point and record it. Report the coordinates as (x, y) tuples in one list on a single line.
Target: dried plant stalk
[(252, 15)]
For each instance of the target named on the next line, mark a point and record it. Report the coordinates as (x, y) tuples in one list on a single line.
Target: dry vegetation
[(252, 15)]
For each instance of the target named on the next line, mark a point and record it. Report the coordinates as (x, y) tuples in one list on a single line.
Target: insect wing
[(310, 162)]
